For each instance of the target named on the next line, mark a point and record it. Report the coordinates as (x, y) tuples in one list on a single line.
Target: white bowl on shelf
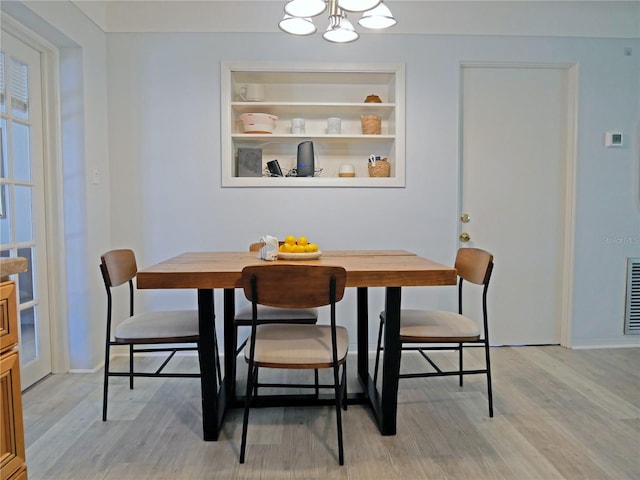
[(258, 122)]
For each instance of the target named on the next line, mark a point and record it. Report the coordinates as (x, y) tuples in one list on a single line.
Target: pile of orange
[(298, 245)]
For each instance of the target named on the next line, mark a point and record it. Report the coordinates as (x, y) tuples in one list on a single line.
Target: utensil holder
[(380, 169), (371, 124)]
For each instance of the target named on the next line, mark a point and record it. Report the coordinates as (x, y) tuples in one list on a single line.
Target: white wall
[(164, 117), (160, 168)]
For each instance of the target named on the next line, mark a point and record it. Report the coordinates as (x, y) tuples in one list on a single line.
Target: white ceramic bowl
[(258, 122)]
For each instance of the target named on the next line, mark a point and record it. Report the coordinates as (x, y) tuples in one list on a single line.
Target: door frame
[(572, 69), (53, 184)]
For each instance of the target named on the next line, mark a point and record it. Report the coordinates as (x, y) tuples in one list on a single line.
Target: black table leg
[(384, 404), (363, 335), (206, 356), (230, 343), (391, 362)]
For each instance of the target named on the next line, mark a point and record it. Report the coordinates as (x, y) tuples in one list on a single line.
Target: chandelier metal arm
[(335, 14)]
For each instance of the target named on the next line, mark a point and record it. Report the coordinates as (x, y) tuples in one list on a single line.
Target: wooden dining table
[(208, 271)]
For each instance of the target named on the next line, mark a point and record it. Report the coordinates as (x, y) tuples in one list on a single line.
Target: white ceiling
[(573, 18)]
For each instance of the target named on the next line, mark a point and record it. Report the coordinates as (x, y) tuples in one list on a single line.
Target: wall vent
[(632, 310)]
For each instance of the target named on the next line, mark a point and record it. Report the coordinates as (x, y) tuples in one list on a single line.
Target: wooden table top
[(365, 268)]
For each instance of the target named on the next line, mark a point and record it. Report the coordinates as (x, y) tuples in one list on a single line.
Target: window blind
[(2, 81), (19, 86)]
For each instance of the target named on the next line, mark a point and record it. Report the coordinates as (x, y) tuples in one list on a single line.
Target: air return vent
[(632, 311)]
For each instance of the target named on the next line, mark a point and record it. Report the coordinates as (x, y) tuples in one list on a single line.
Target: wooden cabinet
[(314, 93), (12, 451)]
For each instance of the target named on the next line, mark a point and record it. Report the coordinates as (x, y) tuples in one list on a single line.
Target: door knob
[(464, 218), (465, 237)]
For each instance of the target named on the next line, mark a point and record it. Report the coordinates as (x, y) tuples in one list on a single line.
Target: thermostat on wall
[(613, 139)]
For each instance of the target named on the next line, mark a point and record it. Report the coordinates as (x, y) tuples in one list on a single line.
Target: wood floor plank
[(559, 414), (597, 365), (521, 457), (603, 397)]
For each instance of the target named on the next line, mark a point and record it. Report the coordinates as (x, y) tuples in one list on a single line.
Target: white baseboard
[(87, 370), (625, 342), (628, 341)]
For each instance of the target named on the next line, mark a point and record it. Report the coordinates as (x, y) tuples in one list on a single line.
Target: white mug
[(347, 170), (334, 125), (297, 125), (252, 92)]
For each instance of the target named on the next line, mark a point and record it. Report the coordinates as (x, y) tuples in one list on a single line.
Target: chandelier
[(298, 17)]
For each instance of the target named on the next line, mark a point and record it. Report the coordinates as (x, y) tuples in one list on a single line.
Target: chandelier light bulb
[(305, 8), (357, 5), (378, 18), (297, 25), (342, 33)]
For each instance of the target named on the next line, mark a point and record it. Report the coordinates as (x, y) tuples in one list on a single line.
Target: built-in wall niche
[(314, 93)]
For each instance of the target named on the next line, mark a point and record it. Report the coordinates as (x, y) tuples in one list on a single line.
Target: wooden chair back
[(293, 286), (118, 267), (474, 265), (254, 247)]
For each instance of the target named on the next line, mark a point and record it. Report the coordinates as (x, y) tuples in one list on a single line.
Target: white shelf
[(315, 92), (313, 182), (385, 110), (366, 139)]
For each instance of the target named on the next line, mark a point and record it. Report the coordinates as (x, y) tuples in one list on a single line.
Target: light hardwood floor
[(559, 414)]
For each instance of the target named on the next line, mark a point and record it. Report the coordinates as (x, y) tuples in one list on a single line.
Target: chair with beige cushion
[(421, 329), (295, 346), (148, 332), (272, 314)]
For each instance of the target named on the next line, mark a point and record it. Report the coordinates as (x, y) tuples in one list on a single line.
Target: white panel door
[(22, 193), (513, 178)]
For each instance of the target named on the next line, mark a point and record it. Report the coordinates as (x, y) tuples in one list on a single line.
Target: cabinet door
[(20, 474), (8, 316), (12, 452)]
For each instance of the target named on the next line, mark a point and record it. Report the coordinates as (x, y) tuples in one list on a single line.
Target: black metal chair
[(421, 329), (272, 314), (155, 331), (295, 346), (243, 316)]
